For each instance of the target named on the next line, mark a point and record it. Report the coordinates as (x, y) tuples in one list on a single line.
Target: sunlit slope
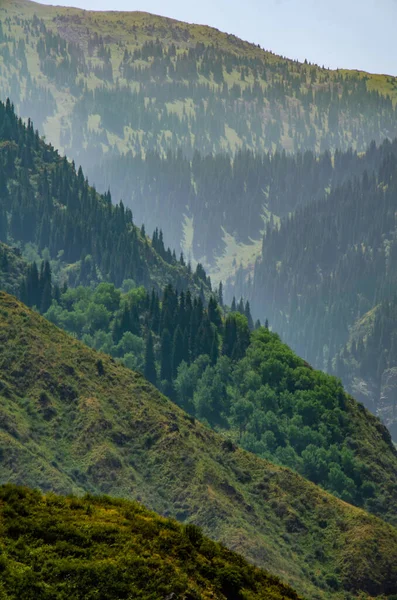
[(75, 421), (161, 83), (110, 548)]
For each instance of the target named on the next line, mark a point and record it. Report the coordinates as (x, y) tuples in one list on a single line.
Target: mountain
[(103, 85), (61, 551), (74, 421), (246, 384), (48, 207), (331, 262)]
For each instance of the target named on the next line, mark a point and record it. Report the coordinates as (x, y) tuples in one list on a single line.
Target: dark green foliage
[(275, 405), (13, 270)]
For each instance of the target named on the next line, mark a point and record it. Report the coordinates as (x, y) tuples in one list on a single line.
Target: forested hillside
[(73, 420), (330, 263), (61, 552), (240, 195), (47, 205), (246, 384), (13, 269), (101, 85)]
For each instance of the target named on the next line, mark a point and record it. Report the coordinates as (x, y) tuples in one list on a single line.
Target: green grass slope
[(55, 547), (74, 421)]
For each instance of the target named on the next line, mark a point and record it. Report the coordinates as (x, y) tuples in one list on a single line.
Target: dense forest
[(367, 362), (75, 420), (46, 203)]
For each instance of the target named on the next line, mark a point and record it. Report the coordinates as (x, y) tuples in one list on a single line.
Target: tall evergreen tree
[(177, 351), (150, 364), (166, 356)]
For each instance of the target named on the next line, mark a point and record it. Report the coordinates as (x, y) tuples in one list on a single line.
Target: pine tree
[(150, 365), (177, 351)]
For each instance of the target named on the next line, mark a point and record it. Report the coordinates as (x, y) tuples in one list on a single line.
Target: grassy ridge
[(72, 420), (54, 547)]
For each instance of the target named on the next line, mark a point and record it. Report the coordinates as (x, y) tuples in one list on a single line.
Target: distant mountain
[(101, 85), (61, 551), (72, 420), (330, 263)]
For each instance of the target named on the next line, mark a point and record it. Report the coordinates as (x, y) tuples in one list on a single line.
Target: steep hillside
[(46, 204), (98, 547), (104, 84), (72, 420)]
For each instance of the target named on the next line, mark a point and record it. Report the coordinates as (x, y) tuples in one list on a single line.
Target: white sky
[(337, 33)]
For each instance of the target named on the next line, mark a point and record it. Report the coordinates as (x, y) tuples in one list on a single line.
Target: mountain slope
[(90, 547), (245, 383), (72, 420), (45, 202)]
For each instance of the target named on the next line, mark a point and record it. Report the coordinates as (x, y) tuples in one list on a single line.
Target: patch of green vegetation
[(54, 547), (74, 421)]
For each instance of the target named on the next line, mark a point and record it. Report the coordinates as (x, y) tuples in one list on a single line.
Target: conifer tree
[(166, 356), (150, 365), (177, 350)]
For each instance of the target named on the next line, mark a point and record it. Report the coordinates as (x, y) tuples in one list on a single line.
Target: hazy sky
[(337, 33)]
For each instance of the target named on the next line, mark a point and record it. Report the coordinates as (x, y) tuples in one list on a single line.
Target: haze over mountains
[(233, 165)]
